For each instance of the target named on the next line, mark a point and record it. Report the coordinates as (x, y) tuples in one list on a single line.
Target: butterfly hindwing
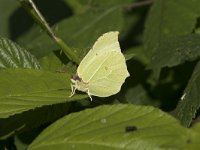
[(105, 43), (108, 79)]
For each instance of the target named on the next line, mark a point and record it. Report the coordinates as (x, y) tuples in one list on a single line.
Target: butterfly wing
[(109, 77), (106, 43), (104, 69)]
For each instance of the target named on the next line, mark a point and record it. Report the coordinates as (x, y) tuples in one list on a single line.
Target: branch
[(31, 8)]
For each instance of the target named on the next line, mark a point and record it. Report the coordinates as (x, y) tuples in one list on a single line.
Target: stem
[(31, 8)]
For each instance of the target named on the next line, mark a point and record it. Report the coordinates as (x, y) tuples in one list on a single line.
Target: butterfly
[(103, 70)]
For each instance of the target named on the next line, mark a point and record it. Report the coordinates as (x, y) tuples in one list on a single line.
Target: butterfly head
[(75, 78), (78, 83)]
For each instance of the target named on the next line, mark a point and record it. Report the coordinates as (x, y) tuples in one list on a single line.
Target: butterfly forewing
[(106, 43)]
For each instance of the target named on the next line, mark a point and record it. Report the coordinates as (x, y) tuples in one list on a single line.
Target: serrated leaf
[(175, 51), (112, 128), (14, 56), (169, 19), (190, 101), (25, 89)]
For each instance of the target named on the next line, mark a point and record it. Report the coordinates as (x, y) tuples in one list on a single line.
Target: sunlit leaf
[(25, 89), (111, 128)]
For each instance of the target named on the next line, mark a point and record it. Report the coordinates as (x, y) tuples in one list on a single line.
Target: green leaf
[(79, 31), (13, 56), (175, 51), (77, 6), (190, 101), (25, 89), (81, 6), (31, 119), (139, 96), (112, 128), (192, 142), (51, 62), (128, 54), (136, 53), (19, 144), (57, 62), (193, 139), (169, 19), (7, 8)]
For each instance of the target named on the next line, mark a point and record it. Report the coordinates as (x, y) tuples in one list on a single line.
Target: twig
[(31, 8), (138, 4), (43, 21)]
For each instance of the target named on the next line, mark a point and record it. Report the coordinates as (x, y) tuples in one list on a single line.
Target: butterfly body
[(79, 84)]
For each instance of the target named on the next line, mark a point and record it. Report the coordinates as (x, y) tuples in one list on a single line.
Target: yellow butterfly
[(103, 70)]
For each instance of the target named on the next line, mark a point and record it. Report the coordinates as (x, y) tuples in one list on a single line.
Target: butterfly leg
[(88, 92), (73, 89)]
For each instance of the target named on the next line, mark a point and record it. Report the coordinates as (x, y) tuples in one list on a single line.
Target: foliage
[(157, 107)]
